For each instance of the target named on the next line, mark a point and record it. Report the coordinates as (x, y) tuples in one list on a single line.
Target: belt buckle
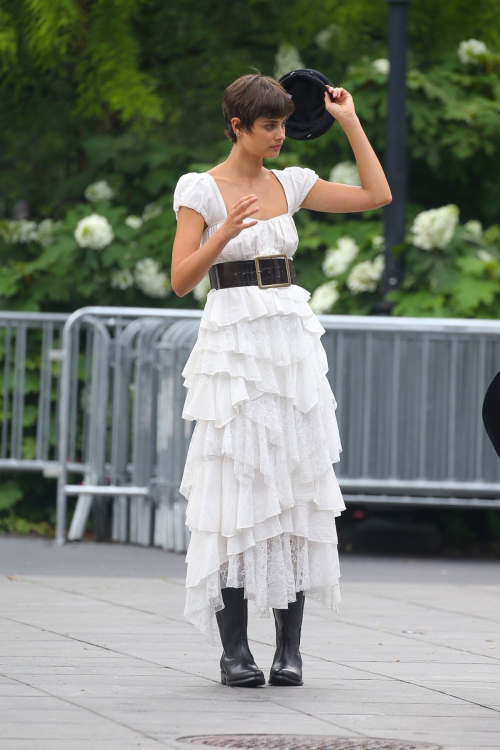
[(258, 271)]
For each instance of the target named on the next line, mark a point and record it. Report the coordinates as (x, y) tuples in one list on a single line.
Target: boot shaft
[(289, 623), (233, 620)]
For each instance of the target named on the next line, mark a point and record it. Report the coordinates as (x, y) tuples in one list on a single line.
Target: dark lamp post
[(395, 153)]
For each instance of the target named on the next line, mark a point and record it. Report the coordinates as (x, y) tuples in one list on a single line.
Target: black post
[(395, 154)]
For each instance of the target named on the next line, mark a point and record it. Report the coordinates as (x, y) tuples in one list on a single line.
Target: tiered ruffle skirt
[(262, 493)]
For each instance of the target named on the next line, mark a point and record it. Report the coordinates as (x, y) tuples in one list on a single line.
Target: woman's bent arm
[(190, 261)]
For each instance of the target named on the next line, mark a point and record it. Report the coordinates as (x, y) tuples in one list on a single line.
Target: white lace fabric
[(259, 479)]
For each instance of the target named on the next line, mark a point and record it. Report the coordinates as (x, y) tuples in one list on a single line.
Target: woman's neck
[(242, 166)]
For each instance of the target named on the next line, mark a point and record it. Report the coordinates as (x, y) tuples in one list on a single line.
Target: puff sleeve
[(192, 191), (301, 181)]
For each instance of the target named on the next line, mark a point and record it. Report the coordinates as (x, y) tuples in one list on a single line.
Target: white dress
[(262, 493)]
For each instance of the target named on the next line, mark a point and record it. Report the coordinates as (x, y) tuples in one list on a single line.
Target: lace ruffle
[(271, 572), (282, 339), (268, 458), (225, 307), (220, 381)]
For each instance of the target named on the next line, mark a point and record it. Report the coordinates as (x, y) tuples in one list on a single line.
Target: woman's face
[(266, 137)]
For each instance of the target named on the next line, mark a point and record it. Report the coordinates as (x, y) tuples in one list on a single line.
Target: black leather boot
[(287, 664), (237, 665)]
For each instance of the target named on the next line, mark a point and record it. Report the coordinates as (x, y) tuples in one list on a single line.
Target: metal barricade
[(174, 435), (108, 385), (410, 393), (30, 389), (120, 408)]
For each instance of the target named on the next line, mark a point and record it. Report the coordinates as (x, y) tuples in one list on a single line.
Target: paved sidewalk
[(95, 662)]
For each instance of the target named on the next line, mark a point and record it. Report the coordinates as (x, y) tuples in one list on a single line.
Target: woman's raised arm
[(374, 190)]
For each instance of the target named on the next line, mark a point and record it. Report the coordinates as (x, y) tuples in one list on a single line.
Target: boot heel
[(223, 678)]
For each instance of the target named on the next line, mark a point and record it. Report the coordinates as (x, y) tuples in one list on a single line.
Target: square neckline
[(262, 221)]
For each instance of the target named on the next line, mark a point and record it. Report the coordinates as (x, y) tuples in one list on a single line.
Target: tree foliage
[(129, 91), (71, 69)]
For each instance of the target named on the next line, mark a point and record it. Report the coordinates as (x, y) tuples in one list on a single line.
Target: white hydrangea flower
[(323, 37), (133, 221), (324, 297), (19, 231), (122, 279), (365, 276), (474, 226), (337, 259), (94, 231), (435, 227), (287, 59), (469, 49), (378, 241), (45, 231), (151, 279), (382, 65), (202, 289), (151, 211), (486, 256), (24, 231), (345, 172), (99, 191)]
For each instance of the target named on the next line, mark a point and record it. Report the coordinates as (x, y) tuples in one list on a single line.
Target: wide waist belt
[(264, 271)]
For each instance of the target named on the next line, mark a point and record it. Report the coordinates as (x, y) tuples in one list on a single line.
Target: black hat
[(491, 412), (306, 88)]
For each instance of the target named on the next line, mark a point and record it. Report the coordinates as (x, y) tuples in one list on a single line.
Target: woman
[(261, 489)]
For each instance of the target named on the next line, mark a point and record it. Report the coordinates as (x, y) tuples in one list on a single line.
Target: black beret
[(306, 88), (491, 412)]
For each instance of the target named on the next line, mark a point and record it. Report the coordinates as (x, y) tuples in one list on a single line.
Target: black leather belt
[(264, 271)]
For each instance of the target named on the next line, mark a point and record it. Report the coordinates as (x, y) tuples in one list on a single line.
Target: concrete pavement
[(95, 654)]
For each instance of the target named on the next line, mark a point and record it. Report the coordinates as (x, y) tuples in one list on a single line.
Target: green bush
[(127, 180)]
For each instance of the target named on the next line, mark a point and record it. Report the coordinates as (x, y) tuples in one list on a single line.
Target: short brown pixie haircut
[(252, 96)]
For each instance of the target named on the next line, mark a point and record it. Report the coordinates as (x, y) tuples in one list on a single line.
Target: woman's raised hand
[(242, 209), (342, 106)]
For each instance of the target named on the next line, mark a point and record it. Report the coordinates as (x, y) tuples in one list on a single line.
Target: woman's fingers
[(245, 209), (246, 199), (244, 202), (245, 221), (242, 210), (248, 213)]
